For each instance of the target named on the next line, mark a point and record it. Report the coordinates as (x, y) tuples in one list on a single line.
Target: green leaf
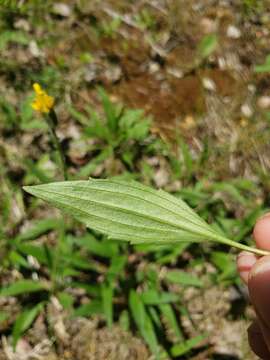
[(143, 321), (184, 347), (225, 263), (111, 111), (183, 278), (24, 321), (17, 37), (107, 301), (153, 297), (124, 321), (8, 114), (78, 262), (18, 260), (66, 300), (90, 167), (127, 210), (35, 172), (170, 318), (208, 45), (77, 115), (187, 158), (154, 315), (117, 267), (139, 131), (23, 287), (39, 228), (175, 252), (264, 68), (94, 307), (3, 316), (134, 125), (38, 252), (93, 290), (101, 248)]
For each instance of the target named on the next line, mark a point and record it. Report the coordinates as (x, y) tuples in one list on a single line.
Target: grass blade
[(24, 321), (23, 287)]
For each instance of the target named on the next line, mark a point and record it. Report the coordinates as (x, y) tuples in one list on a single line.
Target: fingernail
[(246, 261), (260, 267)]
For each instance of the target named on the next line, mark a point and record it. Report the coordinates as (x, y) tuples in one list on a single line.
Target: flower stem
[(240, 246), (52, 121)]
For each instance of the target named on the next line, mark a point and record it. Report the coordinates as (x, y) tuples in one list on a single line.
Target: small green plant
[(207, 46), (44, 103), (120, 133), (15, 37)]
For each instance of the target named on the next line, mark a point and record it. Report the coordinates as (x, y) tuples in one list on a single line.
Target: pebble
[(252, 88), (264, 102), (91, 72), (113, 73), (161, 177), (209, 84), (208, 26), (153, 67), (34, 49), (233, 32), (188, 122), (62, 9), (174, 71), (244, 123), (246, 110), (22, 24)]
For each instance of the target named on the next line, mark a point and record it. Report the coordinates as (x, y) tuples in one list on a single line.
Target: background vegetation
[(173, 94)]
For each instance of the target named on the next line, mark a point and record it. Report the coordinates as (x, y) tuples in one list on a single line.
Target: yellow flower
[(43, 102)]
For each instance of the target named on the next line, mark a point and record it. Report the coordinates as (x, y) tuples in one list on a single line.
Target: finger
[(245, 261), (259, 290), (261, 232), (256, 341)]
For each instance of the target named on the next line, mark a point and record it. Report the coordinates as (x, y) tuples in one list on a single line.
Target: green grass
[(139, 287), (122, 135)]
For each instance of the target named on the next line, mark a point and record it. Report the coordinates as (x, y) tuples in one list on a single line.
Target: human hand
[(255, 272)]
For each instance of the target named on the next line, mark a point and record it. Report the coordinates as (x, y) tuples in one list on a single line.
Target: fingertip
[(261, 232), (245, 262), (259, 287), (261, 268)]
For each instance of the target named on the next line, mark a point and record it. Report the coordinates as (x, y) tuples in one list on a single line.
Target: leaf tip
[(27, 189), (30, 189)]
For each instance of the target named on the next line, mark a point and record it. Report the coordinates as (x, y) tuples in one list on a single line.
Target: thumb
[(259, 290)]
